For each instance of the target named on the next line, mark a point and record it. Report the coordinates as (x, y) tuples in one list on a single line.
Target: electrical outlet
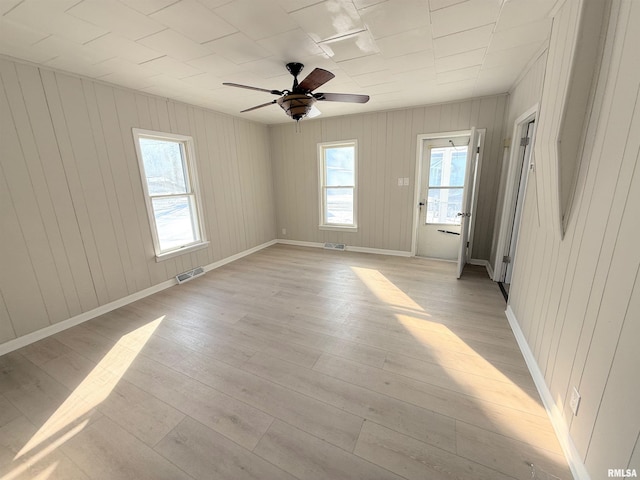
[(574, 404), (284, 231)]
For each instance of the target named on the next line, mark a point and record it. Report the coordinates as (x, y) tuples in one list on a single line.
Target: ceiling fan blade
[(274, 92), (259, 106), (315, 79), (313, 112), (341, 97)]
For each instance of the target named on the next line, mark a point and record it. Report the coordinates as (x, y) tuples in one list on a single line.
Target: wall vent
[(189, 274), (335, 246)]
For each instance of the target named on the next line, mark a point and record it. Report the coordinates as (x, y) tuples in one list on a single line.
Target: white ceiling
[(400, 52)]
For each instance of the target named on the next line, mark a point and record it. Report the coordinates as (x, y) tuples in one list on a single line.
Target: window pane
[(443, 205), (163, 166), (435, 169), (175, 221), (339, 202), (458, 168), (339, 162)]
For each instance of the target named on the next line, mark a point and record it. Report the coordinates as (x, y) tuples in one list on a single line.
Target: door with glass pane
[(444, 168)]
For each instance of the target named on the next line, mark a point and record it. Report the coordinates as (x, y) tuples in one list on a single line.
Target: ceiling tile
[(171, 67), (519, 12), (374, 78), (238, 48), (464, 16), (469, 73), (384, 19), (407, 42), (329, 19), (6, 5), (522, 35), (438, 4), (368, 64), (293, 5), (292, 44), (461, 60), (194, 21), (116, 17), (147, 7), (115, 45), (43, 16), (209, 81), (174, 44), (352, 46), (55, 46), (257, 20), (12, 33), (520, 55), (411, 62), (463, 41), (215, 64)]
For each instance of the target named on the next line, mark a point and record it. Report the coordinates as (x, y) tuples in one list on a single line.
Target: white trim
[(349, 248), (511, 192), (322, 184), (577, 466), (32, 337), (193, 190), (483, 263)]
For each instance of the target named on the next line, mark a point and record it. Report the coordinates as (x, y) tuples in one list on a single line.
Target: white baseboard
[(578, 469), (483, 263), (349, 248), (32, 337)]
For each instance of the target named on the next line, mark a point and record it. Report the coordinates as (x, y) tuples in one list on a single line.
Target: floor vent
[(335, 246), (189, 274)]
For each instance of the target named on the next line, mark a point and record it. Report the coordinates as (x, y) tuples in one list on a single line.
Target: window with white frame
[(167, 166), (338, 163), (447, 168)]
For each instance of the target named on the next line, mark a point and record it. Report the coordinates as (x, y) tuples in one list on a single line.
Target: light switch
[(400, 181), (406, 181)]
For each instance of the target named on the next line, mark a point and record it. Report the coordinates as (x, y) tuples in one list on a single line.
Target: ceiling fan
[(299, 101)]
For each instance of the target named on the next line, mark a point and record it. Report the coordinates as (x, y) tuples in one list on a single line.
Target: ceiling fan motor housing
[(296, 105)]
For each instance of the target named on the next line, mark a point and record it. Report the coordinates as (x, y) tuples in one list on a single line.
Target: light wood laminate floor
[(289, 363)]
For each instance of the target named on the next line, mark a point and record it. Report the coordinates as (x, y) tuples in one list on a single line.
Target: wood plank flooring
[(291, 363)]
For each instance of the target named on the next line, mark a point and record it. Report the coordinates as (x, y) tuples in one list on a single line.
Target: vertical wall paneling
[(576, 297), (387, 151), (75, 233)]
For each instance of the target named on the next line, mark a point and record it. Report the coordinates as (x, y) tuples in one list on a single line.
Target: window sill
[(181, 251), (338, 228)]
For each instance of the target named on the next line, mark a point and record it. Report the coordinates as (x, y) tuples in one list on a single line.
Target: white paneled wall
[(386, 150), (75, 232), (577, 298)]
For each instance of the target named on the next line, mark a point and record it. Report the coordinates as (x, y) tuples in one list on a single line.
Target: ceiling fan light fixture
[(296, 105)]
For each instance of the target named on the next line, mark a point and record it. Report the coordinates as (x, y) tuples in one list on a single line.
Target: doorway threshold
[(504, 288)]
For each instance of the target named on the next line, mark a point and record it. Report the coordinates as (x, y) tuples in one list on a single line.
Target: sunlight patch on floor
[(88, 395), (446, 347)]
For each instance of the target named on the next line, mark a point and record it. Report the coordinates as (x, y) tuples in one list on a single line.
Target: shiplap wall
[(577, 299), (386, 150), (75, 233), (524, 95)]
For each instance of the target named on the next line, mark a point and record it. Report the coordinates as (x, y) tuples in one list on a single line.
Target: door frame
[(418, 176), (511, 188)]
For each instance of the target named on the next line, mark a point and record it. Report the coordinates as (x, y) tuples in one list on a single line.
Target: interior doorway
[(446, 172), (519, 168)]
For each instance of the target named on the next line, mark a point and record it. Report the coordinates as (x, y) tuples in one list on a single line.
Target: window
[(447, 170), (338, 185), (170, 185)]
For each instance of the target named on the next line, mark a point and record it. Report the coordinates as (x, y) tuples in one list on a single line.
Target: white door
[(465, 212), (443, 171), (524, 165)]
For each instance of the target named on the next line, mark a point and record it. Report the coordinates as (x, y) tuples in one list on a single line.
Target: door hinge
[(467, 244), (478, 150), (524, 141), (506, 259)]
